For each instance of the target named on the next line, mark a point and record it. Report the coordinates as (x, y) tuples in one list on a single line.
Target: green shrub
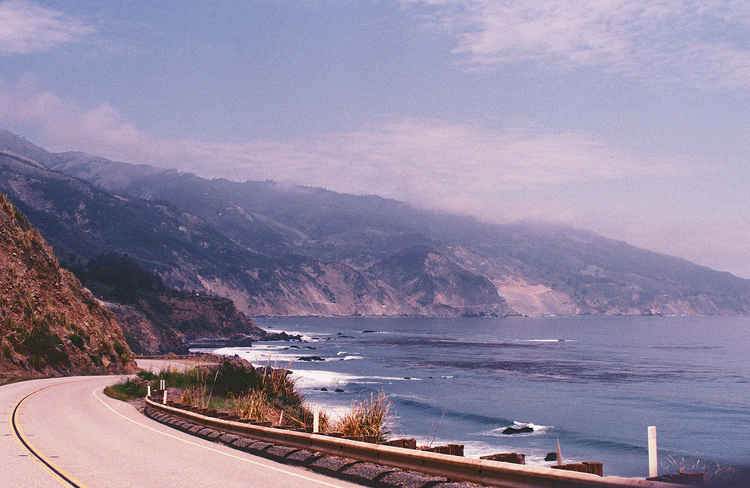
[(146, 375), (127, 390), (45, 347), (21, 220), (234, 377), (76, 340), (121, 350)]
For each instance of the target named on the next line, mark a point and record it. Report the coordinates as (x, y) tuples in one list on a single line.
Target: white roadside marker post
[(316, 421), (165, 397), (653, 459), (148, 391)]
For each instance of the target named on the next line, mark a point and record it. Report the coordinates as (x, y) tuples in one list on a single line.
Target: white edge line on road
[(256, 463)]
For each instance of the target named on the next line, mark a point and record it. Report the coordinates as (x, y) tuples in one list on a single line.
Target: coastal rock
[(519, 430)]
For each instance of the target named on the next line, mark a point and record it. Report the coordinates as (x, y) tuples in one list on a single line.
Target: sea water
[(594, 383)]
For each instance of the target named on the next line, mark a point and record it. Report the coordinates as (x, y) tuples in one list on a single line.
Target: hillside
[(188, 252), (49, 324), (325, 253), (157, 319)]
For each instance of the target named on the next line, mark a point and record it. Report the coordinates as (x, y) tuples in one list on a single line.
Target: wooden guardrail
[(483, 471)]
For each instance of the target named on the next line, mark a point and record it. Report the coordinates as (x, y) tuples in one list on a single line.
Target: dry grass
[(712, 472), (366, 418), (199, 395), (255, 405), (278, 385)]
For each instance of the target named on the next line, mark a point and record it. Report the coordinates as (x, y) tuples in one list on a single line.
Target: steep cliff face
[(49, 324), (156, 319)]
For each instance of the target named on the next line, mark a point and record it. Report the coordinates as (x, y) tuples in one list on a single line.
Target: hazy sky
[(630, 118)]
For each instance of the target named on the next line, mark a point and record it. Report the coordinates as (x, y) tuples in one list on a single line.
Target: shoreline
[(309, 381)]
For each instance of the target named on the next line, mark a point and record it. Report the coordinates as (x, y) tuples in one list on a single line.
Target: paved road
[(101, 442)]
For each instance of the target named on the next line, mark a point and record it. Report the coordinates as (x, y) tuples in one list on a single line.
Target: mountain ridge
[(327, 253)]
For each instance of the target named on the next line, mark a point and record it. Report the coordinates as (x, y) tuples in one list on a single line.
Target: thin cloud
[(490, 173), (26, 28), (659, 41), (430, 162)]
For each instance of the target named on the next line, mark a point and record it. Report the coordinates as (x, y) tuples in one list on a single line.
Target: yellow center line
[(56, 472)]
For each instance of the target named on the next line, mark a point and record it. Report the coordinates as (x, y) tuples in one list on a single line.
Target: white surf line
[(255, 463)]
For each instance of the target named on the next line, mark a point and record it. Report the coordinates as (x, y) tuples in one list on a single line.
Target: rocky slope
[(303, 251), (49, 324), (190, 253), (156, 319)]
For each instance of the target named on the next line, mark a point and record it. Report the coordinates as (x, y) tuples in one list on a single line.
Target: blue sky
[(627, 117)]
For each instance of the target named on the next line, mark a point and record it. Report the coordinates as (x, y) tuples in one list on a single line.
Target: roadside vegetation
[(234, 389), (366, 418)]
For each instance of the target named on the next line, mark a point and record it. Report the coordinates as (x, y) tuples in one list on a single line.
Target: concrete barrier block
[(592, 468), (228, 438), (205, 431), (403, 443), (303, 456), (366, 471), (279, 452), (241, 443), (452, 449), (259, 446), (457, 484), (331, 464), (410, 479), (507, 457), (213, 435)]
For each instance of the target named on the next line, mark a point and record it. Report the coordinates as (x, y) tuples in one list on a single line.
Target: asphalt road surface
[(97, 441)]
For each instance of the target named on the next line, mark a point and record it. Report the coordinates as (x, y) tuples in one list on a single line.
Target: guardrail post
[(316, 421), (653, 458)]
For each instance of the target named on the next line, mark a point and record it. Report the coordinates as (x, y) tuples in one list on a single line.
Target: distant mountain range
[(291, 250)]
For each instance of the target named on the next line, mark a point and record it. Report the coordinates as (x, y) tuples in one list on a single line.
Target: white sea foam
[(345, 358), (313, 378), (262, 354), (334, 412)]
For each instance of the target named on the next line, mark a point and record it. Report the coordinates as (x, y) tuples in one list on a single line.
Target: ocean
[(594, 383)]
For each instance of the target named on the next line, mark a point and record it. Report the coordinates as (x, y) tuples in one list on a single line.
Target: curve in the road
[(74, 428), (217, 451), (55, 471)]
